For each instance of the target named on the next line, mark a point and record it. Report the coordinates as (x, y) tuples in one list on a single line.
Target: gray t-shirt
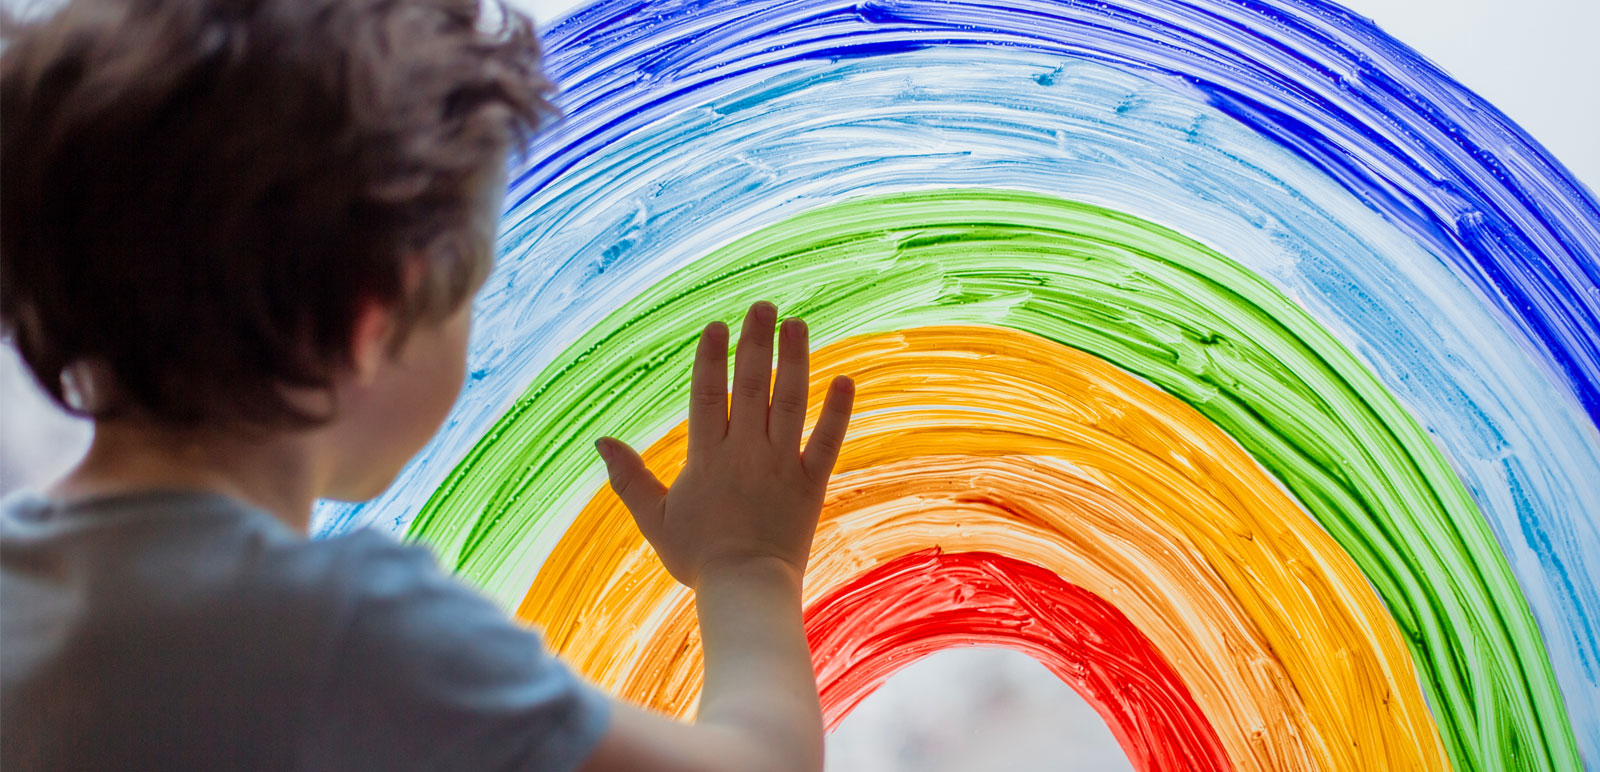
[(189, 631)]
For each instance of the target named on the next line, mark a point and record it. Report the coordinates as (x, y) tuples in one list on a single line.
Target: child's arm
[(736, 527)]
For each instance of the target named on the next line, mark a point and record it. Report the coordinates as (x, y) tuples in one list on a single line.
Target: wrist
[(749, 569)]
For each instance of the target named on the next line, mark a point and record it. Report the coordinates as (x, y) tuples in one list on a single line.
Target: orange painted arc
[(989, 439)]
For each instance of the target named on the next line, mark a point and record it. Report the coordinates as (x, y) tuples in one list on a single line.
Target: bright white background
[(996, 710)]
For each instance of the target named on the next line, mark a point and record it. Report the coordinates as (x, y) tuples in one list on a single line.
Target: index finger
[(708, 389)]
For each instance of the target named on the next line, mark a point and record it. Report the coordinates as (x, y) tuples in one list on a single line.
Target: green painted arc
[(1140, 296)]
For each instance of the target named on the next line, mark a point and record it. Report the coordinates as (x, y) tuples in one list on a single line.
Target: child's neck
[(276, 474)]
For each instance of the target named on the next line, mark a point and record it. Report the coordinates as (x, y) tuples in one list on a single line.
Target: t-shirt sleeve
[(428, 674)]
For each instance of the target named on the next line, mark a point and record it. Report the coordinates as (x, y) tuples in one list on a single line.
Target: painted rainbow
[(1224, 355)]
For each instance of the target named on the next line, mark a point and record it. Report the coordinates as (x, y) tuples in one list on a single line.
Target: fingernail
[(845, 384), (766, 312), (604, 449)]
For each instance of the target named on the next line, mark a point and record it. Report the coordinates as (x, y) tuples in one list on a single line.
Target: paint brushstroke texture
[(1069, 463), (1403, 231), (933, 601)]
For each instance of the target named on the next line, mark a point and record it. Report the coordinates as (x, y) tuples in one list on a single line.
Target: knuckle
[(748, 387), (789, 403)]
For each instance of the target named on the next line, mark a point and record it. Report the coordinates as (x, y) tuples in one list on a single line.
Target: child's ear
[(371, 336), (369, 340)]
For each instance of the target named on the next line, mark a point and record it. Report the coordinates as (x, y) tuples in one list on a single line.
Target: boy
[(242, 235)]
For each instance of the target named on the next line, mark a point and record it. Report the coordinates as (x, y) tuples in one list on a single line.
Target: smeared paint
[(1315, 79), (1292, 136), (908, 608), (678, 178), (1142, 297), (987, 439)]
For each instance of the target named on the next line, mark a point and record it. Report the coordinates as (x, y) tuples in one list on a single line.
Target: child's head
[(257, 214)]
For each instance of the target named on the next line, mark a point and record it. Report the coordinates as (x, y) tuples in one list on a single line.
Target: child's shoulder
[(191, 607), (213, 535), (197, 575), (235, 632), (167, 563)]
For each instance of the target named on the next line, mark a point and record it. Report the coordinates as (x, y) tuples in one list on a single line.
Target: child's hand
[(748, 492)]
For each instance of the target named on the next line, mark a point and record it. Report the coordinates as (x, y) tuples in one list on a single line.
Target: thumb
[(634, 483)]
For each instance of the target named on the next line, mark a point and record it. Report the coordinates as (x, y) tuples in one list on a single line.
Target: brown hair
[(197, 195)]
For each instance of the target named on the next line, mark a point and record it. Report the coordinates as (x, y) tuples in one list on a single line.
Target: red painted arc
[(865, 630)]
